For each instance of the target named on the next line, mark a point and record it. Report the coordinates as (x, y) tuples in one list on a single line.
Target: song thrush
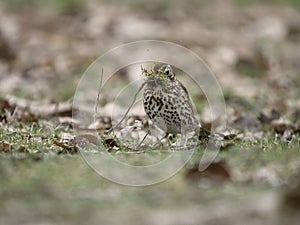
[(167, 102)]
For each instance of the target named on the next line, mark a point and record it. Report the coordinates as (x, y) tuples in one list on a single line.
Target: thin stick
[(98, 96), (148, 132), (135, 96)]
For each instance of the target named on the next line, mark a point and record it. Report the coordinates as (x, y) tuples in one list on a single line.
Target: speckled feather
[(166, 101)]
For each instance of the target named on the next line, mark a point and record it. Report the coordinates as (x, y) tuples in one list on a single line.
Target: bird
[(167, 102)]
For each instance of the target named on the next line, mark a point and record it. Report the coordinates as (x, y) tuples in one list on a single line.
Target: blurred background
[(252, 46)]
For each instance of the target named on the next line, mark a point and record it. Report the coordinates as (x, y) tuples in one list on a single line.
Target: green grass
[(57, 6), (249, 69), (35, 139), (63, 189), (295, 3)]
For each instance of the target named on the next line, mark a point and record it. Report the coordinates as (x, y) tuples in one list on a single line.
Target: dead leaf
[(67, 120), (4, 104), (291, 197), (5, 146), (229, 134), (66, 149), (217, 171), (296, 115), (42, 109), (6, 51), (28, 117), (204, 134), (267, 116), (5, 107), (22, 149), (287, 135), (102, 123), (281, 125), (111, 142), (297, 128), (226, 145), (87, 137)]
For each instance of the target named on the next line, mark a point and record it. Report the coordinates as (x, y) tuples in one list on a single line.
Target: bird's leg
[(159, 141), (148, 132), (171, 139), (183, 139), (187, 138), (203, 135)]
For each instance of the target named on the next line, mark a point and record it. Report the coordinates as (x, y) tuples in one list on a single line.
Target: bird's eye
[(167, 70)]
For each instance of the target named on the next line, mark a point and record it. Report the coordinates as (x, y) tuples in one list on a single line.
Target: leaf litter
[(262, 139)]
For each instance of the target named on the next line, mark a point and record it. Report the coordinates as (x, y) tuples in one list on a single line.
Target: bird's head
[(162, 71)]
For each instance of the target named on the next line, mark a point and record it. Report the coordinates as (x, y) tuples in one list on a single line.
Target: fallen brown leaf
[(217, 171), (67, 120), (267, 116), (42, 109), (102, 123), (5, 146), (87, 137), (4, 104), (66, 149), (22, 149), (28, 117), (291, 197), (111, 142), (5, 107), (6, 51), (281, 125)]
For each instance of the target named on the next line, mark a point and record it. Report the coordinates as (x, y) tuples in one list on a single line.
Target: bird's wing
[(188, 98)]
